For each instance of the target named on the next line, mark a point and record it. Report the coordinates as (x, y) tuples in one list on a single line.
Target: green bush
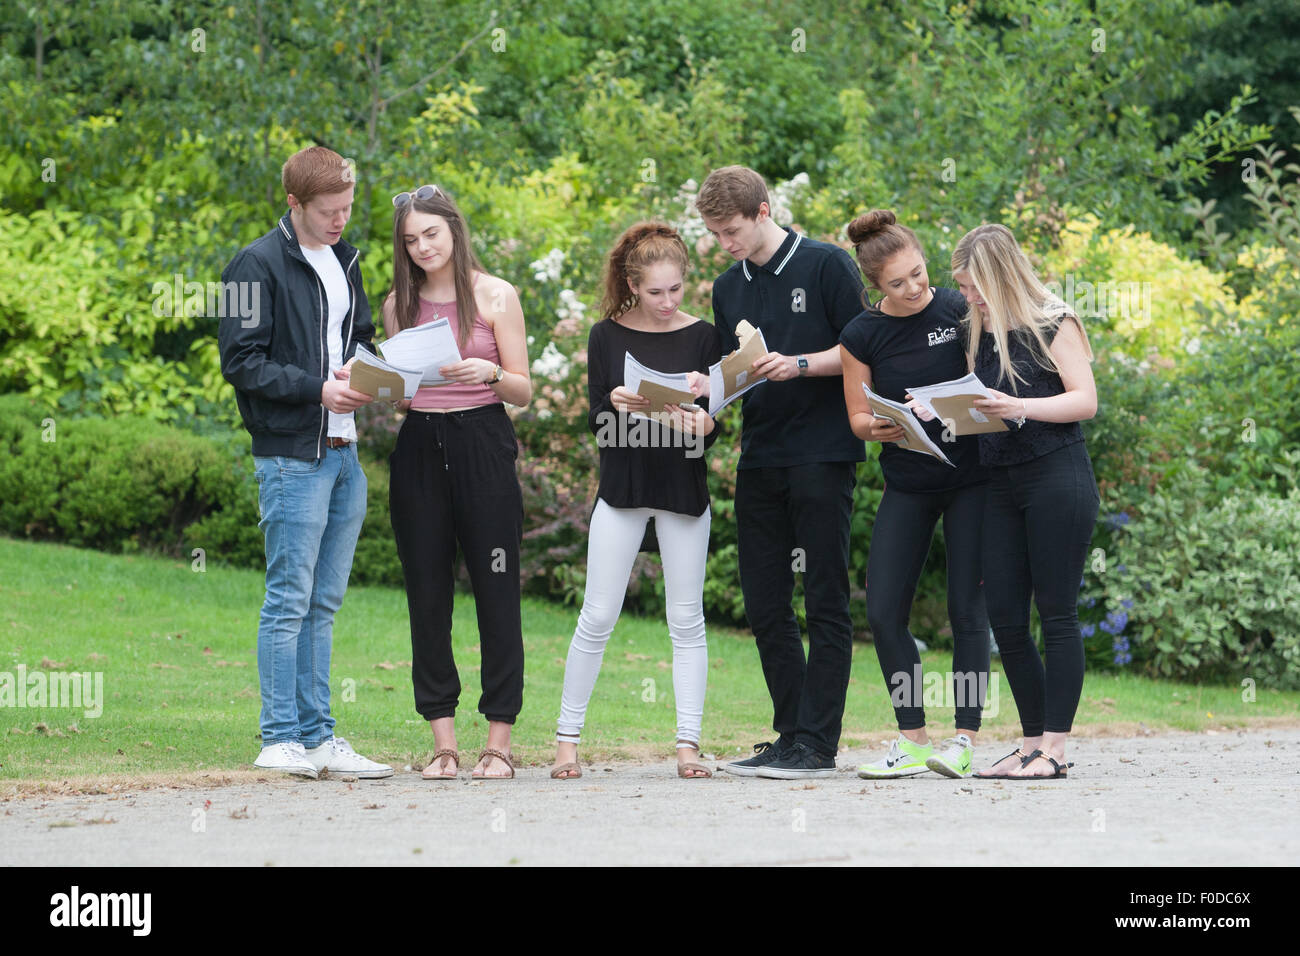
[(131, 484), (111, 484), (1209, 592)]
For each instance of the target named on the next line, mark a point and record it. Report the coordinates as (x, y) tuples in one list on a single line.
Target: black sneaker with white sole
[(764, 754), (799, 762)]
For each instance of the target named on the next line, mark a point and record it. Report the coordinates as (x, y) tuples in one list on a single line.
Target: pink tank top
[(482, 344)]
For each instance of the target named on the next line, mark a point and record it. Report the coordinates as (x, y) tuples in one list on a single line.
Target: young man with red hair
[(287, 364)]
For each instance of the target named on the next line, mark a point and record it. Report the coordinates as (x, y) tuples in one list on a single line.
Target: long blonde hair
[(1013, 295)]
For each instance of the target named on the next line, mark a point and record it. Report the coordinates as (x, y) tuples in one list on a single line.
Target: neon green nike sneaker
[(905, 759), (954, 759)]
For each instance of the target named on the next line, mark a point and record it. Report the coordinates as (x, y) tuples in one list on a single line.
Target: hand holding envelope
[(658, 390), (381, 381), (734, 375), (954, 404), (427, 347)]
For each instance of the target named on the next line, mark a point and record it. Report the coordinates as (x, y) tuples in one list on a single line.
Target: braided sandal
[(500, 755), (442, 773)]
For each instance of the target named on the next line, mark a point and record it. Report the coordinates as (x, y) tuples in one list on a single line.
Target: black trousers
[(900, 540), (790, 519), (454, 482), (1037, 527)]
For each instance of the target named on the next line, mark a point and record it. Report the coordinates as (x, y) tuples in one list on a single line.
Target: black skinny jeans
[(1037, 528), (787, 519), (453, 481), (900, 541)]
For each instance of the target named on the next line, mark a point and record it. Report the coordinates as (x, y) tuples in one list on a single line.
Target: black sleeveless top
[(1034, 439)]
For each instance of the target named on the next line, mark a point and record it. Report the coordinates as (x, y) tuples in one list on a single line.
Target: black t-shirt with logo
[(921, 349)]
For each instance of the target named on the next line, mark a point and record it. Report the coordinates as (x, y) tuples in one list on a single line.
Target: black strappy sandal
[(1000, 776), (1058, 768)]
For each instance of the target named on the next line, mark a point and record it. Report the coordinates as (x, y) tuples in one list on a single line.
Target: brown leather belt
[(333, 442)]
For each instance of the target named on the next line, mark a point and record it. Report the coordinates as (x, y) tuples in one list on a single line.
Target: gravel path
[(1196, 799)]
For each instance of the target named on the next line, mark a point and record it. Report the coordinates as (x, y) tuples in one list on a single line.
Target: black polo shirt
[(802, 298)]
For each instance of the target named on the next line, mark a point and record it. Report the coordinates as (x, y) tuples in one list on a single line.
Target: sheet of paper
[(953, 404), (385, 382), (660, 388), (427, 347), (914, 436), (734, 375)]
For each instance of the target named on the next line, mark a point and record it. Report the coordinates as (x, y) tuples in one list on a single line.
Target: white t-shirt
[(337, 301)]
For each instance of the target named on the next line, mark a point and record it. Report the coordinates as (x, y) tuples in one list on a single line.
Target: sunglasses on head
[(424, 192)]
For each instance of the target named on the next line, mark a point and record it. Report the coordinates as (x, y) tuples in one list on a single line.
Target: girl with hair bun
[(1031, 352), (913, 336), (646, 471)]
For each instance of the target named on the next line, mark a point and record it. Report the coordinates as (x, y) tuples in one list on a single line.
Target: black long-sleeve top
[(644, 464)]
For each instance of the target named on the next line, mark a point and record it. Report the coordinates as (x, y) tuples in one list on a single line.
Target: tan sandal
[(500, 755), (566, 771), (435, 761), (692, 770)]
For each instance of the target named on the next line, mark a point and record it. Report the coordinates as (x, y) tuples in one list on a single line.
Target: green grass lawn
[(177, 650)]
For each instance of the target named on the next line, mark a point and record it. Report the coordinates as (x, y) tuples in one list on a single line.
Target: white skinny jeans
[(612, 545)]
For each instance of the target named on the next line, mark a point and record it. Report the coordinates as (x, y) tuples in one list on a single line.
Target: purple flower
[(1121, 658), (1115, 623), (1087, 630), (1118, 520), (1091, 602)]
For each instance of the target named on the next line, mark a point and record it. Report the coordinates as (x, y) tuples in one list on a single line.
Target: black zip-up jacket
[(279, 362)]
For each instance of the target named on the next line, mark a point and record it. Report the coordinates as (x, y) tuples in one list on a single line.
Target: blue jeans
[(312, 511)]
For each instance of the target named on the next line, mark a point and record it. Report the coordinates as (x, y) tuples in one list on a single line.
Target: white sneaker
[(954, 760), (337, 756), (905, 759), (287, 756)]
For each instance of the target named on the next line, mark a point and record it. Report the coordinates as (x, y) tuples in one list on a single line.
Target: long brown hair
[(640, 247), (1015, 298), (408, 277)]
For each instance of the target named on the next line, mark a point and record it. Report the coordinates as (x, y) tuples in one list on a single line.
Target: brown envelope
[(737, 368), (659, 396), (378, 384), (955, 411)]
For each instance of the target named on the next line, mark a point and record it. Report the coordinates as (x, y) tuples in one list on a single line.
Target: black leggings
[(1037, 528), (900, 540)]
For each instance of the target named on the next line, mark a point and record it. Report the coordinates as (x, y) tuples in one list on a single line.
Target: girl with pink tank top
[(482, 344), (453, 483)]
